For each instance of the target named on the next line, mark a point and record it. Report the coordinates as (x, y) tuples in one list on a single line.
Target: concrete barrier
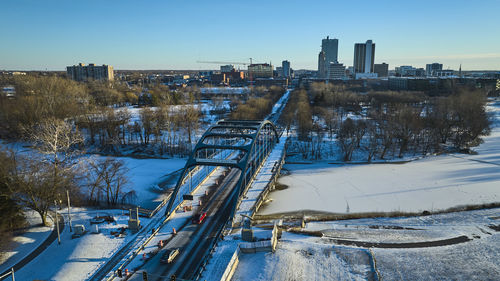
[(231, 266)]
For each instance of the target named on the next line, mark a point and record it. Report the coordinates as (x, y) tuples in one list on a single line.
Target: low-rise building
[(382, 69), (412, 83), (431, 68), (409, 71), (279, 71), (206, 73), (336, 71), (268, 82), (365, 76), (444, 73), (260, 70), (226, 68), (398, 83), (82, 72)]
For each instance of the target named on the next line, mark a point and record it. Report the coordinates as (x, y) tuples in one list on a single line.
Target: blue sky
[(174, 34)]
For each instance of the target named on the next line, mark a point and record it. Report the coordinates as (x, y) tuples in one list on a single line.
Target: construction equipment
[(226, 62)]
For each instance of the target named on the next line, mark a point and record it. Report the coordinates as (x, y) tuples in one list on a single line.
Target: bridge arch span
[(241, 144)]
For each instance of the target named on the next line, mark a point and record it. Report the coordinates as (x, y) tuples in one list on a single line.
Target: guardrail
[(111, 274), (145, 240), (276, 171), (209, 253), (231, 266)]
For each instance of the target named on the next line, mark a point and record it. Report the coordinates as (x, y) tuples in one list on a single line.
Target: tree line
[(158, 131), (98, 109), (62, 120), (386, 124), (39, 180), (259, 104)]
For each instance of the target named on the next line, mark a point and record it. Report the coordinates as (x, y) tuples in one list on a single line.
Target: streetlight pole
[(57, 224), (69, 212)]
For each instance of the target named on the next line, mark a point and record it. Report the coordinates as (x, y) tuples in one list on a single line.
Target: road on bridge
[(194, 241)]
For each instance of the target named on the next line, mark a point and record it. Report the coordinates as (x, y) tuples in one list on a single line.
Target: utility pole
[(57, 225), (69, 212)]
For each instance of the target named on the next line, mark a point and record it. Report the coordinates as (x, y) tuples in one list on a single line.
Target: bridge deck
[(216, 268), (260, 183)]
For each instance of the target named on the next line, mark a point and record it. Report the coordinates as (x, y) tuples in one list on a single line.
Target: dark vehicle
[(169, 256), (198, 218)]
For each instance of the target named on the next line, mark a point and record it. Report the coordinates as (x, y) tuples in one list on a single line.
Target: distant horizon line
[(114, 69)]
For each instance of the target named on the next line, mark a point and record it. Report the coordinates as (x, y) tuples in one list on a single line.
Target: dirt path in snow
[(425, 244)]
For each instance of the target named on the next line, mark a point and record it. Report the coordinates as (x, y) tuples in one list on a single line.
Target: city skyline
[(175, 35)]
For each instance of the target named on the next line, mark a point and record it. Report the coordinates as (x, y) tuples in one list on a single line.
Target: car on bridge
[(198, 218), (169, 255)]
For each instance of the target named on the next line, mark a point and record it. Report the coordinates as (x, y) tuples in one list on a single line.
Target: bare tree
[(106, 180), (372, 142), (42, 180), (190, 120), (347, 138), (35, 186), (469, 118), (12, 214), (147, 119)]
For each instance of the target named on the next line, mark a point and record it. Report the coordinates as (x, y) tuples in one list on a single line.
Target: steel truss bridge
[(240, 144)]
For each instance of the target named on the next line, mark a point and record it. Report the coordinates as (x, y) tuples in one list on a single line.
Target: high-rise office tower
[(321, 65), (331, 49), (285, 65), (328, 54), (364, 57)]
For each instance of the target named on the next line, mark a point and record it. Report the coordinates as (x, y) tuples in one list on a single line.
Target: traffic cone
[(126, 271), (174, 231)]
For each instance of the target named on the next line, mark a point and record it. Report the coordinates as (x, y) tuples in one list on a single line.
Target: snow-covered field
[(303, 257), (433, 183), (145, 174), (475, 260)]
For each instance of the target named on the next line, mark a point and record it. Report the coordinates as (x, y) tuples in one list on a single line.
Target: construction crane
[(231, 62), (222, 62), (226, 62)]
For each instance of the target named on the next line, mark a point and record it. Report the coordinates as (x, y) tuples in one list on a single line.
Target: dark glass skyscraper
[(364, 57), (329, 53)]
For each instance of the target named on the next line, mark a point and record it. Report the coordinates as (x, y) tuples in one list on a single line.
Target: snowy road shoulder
[(78, 258), (23, 244)]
